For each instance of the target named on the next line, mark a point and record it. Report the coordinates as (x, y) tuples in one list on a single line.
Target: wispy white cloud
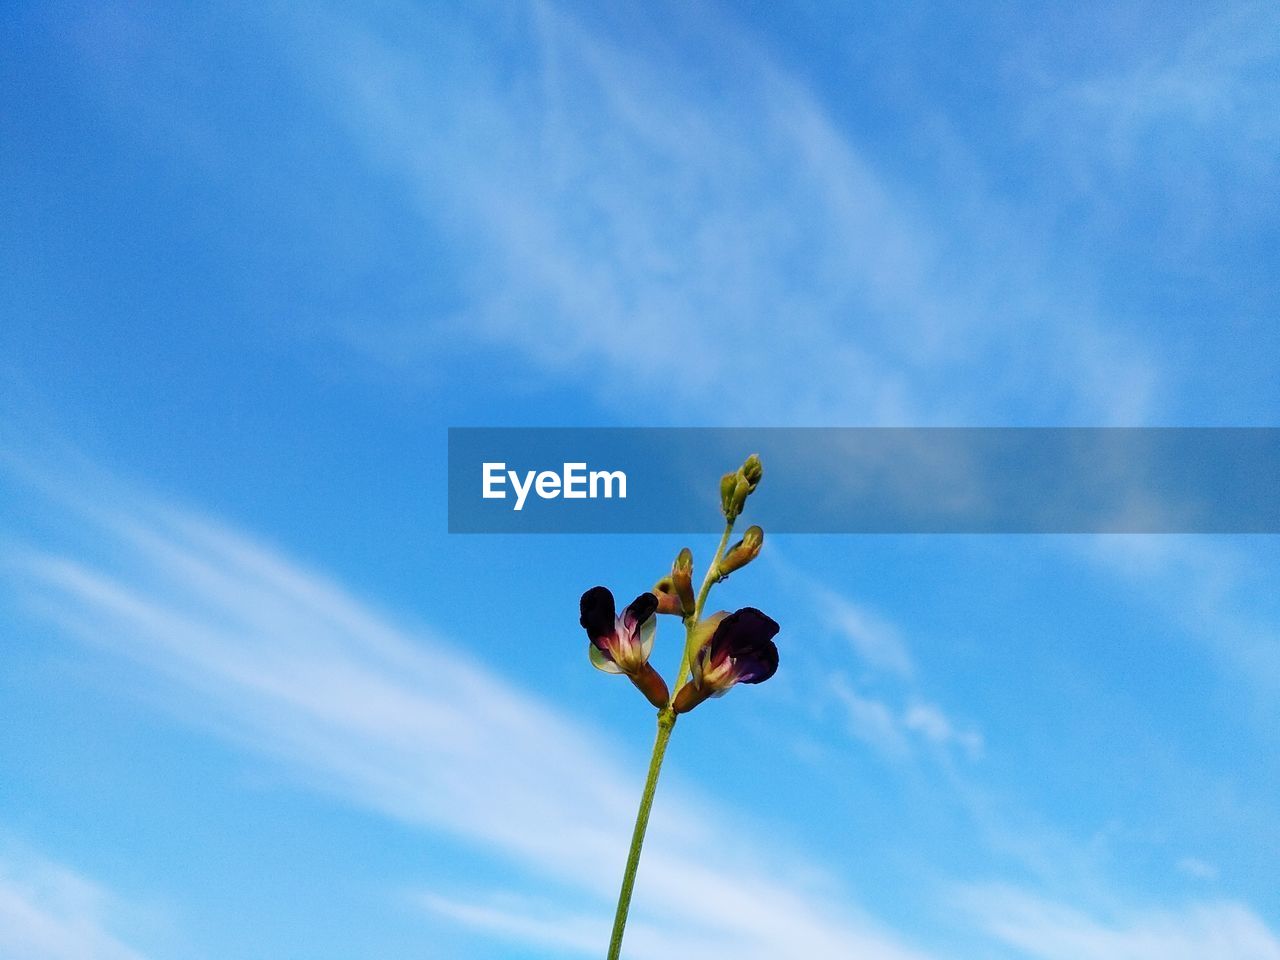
[(894, 732), (892, 722), (1189, 119), (1200, 869), (524, 920), (1214, 80), (1220, 597), (875, 639), (49, 912), (1045, 930), (873, 721), (621, 214), (281, 659), (928, 720)]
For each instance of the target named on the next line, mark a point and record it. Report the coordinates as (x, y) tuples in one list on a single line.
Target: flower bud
[(737, 486), (668, 599), (741, 553), (728, 486), (741, 490), (682, 580)]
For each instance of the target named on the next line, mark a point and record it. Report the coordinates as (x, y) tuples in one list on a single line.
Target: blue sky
[(257, 259)]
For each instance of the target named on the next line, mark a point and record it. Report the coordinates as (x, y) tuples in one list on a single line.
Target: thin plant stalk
[(666, 724)]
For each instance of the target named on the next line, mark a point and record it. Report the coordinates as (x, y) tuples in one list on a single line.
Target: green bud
[(737, 486), (682, 580), (741, 490), (741, 553), (728, 483)]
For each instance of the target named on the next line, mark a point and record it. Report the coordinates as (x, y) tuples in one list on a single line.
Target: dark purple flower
[(622, 644), (618, 644), (739, 648)]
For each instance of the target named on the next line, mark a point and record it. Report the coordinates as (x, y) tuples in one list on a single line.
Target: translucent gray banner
[(868, 480)]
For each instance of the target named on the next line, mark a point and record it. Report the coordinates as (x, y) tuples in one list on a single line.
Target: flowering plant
[(721, 650)]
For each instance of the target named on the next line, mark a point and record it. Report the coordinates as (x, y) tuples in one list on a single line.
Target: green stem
[(666, 723), (690, 622)]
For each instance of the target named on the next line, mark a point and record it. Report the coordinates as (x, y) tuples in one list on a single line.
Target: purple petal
[(598, 617), (746, 637), (758, 663), (640, 609)]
